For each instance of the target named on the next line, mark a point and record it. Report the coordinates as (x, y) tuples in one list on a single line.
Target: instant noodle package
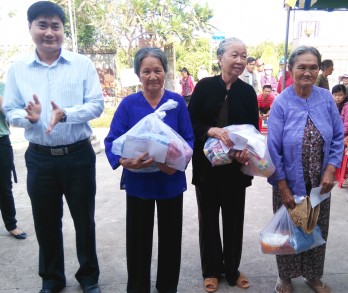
[(242, 136)]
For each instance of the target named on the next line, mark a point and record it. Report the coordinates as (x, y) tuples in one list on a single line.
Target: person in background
[(326, 68), (305, 142), (260, 66), (288, 81), (339, 93), (344, 80), (217, 102), (248, 75), (144, 191), (268, 78), (53, 94), (281, 68), (187, 84), (7, 204), (264, 102), (202, 72)]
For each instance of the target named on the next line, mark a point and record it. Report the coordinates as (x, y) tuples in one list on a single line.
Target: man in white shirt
[(249, 75)]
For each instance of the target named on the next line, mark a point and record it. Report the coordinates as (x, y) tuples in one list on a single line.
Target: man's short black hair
[(250, 59), (267, 86), (45, 8)]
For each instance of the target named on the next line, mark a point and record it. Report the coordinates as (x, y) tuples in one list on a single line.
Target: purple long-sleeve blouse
[(286, 125)]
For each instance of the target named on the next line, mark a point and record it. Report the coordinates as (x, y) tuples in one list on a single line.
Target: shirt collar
[(64, 56)]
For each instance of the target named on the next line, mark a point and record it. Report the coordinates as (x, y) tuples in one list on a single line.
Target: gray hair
[(225, 43), (149, 51), (303, 50)]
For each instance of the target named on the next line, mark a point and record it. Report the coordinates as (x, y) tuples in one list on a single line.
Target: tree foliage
[(269, 52), (123, 24), (193, 55)]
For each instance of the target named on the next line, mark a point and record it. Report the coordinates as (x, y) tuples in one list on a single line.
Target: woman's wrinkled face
[(338, 97), (152, 74), (233, 60), (305, 70)]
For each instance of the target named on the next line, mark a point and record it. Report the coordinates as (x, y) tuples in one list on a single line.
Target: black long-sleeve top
[(204, 108)]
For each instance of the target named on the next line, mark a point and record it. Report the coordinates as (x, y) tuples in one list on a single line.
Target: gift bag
[(281, 236), (243, 136), (152, 135)]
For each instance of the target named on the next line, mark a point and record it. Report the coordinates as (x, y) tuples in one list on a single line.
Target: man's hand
[(56, 115), (33, 110)]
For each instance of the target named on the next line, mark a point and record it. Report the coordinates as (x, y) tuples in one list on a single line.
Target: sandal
[(211, 284), (318, 286), (242, 281), (283, 286)]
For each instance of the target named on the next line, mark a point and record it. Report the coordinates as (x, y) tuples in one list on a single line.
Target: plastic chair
[(342, 173)]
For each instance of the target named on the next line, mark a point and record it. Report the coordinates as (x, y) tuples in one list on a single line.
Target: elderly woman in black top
[(217, 102)]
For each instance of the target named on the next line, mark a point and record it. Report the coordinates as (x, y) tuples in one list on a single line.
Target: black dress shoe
[(45, 290), (91, 289)]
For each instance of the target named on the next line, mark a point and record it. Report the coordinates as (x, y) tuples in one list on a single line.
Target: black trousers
[(219, 257), (140, 222), (49, 177), (7, 205)]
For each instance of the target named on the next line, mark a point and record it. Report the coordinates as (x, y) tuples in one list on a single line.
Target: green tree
[(123, 24), (269, 52), (192, 56)]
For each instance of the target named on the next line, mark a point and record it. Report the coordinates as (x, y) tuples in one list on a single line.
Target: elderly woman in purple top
[(305, 140), (163, 188)]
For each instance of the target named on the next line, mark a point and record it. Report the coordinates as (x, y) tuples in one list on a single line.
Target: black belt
[(60, 150)]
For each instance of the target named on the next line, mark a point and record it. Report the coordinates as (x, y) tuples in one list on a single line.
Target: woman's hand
[(138, 163), (241, 156), (166, 169), (286, 194), (328, 179), (220, 134), (287, 198)]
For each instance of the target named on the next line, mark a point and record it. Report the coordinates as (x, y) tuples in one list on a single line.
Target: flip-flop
[(211, 284), (318, 286), (242, 281)]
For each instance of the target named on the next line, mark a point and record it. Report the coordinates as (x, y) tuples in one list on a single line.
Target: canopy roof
[(328, 5)]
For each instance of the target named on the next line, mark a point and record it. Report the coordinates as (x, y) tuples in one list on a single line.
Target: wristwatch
[(63, 119)]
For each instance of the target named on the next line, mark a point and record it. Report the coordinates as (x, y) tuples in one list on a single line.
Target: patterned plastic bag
[(152, 135)]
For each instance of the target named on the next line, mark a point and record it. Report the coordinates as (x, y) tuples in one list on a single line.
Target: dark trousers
[(49, 177), (7, 205), (220, 257), (140, 222)]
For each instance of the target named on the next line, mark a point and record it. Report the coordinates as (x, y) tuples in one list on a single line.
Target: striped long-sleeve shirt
[(71, 82)]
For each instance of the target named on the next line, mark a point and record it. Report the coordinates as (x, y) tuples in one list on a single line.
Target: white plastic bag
[(152, 135), (281, 236), (243, 136)]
